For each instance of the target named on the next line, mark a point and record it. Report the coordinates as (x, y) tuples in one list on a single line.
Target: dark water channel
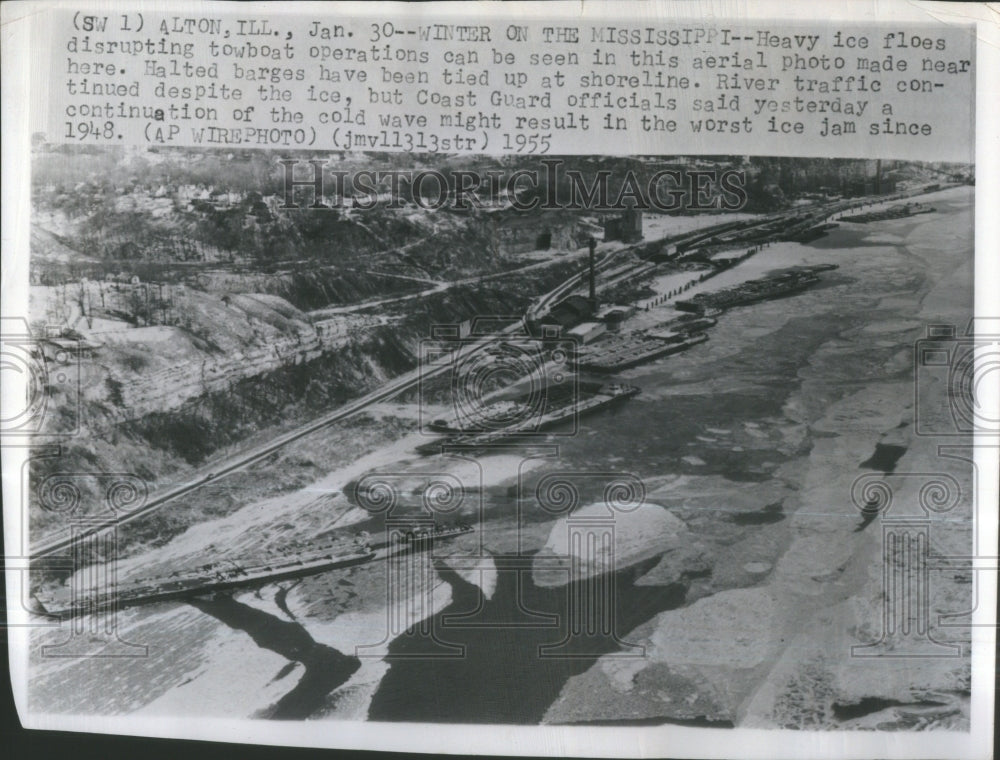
[(505, 659), (325, 667)]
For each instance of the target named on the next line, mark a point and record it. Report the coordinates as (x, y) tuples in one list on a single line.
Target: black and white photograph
[(344, 448), (428, 439)]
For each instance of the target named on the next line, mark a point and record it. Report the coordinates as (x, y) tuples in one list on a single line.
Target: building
[(587, 332), (626, 227), (58, 349), (614, 315), (523, 231), (568, 313), (861, 186)]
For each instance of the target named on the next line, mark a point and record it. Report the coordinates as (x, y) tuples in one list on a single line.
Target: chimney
[(592, 244)]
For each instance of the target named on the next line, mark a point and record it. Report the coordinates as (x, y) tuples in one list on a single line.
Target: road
[(436, 287), (404, 382)]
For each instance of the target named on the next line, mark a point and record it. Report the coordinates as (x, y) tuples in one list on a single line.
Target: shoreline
[(793, 601)]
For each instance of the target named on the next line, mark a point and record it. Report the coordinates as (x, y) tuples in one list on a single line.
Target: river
[(751, 440)]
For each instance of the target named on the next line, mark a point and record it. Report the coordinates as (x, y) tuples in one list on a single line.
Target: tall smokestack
[(592, 244)]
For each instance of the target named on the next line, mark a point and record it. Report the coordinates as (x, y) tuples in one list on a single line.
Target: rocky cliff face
[(168, 388)]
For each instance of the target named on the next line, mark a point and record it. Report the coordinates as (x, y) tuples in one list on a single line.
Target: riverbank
[(778, 653), (752, 441)]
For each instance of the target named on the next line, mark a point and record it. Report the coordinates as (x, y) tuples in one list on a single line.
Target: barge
[(229, 575), (604, 396)]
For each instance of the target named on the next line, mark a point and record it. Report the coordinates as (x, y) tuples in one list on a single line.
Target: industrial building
[(569, 312), (586, 332), (522, 231), (626, 226)]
